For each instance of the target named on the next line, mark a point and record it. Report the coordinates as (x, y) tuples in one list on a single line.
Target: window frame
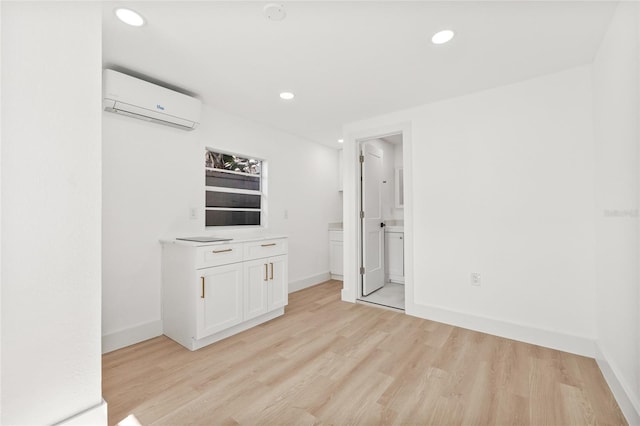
[(262, 192)]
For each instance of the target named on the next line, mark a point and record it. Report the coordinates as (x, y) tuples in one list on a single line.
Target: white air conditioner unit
[(137, 98)]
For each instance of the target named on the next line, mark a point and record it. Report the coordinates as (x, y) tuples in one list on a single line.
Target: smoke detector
[(274, 12)]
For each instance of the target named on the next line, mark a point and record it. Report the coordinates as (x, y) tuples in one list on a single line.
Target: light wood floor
[(326, 361)]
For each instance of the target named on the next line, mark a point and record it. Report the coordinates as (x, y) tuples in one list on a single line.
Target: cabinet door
[(278, 282), (220, 299), (256, 288), (395, 255), (335, 257)]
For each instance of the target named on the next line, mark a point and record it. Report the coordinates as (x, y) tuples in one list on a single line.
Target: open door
[(371, 220)]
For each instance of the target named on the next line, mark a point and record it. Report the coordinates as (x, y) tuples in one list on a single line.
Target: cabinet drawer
[(265, 248), (217, 255)]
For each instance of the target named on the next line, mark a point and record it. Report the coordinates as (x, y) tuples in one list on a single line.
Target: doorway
[(381, 213)]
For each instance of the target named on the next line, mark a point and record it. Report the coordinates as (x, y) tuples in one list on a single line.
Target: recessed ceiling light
[(442, 37), (287, 96), (130, 17), (340, 140)]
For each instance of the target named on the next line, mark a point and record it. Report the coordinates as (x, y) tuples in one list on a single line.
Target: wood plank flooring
[(331, 362)]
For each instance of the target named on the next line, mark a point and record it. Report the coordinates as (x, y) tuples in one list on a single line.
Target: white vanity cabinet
[(214, 290), (336, 250), (394, 256)]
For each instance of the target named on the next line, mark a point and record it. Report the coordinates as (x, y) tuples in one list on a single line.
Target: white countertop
[(240, 239), (394, 226)]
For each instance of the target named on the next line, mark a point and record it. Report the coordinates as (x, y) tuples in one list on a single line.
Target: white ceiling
[(347, 61)]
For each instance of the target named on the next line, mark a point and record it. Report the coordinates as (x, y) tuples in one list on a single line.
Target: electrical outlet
[(193, 213), (286, 214), (474, 277)]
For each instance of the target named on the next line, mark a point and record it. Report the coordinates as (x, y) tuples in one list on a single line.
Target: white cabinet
[(278, 295), (256, 280), (394, 256), (336, 254), (265, 285), (226, 254), (213, 291), (220, 304), (262, 249), (336, 251)]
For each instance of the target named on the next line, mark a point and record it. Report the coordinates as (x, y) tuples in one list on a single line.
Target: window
[(233, 190)]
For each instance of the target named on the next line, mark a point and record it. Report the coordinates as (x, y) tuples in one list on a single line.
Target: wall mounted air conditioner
[(137, 98)]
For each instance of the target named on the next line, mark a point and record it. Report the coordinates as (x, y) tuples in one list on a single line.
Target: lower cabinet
[(212, 292), (220, 304), (265, 285), (278, 295), (336, 251), (394, 256)]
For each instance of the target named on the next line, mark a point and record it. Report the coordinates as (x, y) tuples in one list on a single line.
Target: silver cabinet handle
[(221, 251), (268, 245), (266, 272)]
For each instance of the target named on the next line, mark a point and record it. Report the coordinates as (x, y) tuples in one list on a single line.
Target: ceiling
[(347, 61)]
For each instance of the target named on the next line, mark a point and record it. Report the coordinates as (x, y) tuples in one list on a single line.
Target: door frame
[(352, 288)]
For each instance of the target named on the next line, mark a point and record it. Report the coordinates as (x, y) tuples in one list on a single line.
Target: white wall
[(397, 154), (616, 74), (153, 175), (501, 183), (51, 60), (1, 238)]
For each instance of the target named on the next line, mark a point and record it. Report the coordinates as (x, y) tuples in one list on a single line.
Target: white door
[(372, 225)]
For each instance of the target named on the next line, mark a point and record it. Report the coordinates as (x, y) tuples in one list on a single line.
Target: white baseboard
[(337, 277), (579, 345), (130, 336), (309, 281), (93, 416), (629, 402)]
